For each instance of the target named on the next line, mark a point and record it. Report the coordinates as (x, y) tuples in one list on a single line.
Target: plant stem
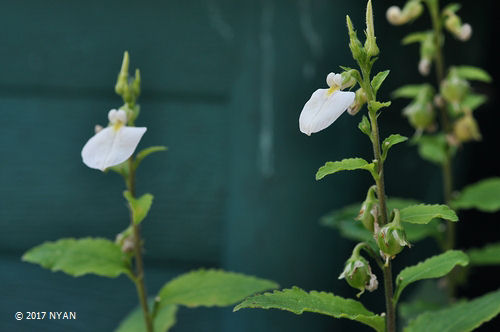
[(447, 170), (379, 180), (139, 266)]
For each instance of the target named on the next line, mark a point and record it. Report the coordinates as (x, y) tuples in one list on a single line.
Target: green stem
[(139, 266), (379, 180), (447, 170)]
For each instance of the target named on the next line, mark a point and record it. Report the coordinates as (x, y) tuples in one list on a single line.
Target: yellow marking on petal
[(331, 90), (117, 125)]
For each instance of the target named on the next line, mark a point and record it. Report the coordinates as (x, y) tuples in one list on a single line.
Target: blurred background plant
[(230, 194)]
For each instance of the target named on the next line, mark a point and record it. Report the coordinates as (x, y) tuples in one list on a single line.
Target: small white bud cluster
[(424, 66), (465, 32), (394, 16)]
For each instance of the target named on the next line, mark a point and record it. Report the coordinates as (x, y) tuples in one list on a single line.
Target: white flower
[(325, 105), (112, 145)]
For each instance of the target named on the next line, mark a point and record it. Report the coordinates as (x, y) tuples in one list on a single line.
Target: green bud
[(371, 47), (369, 209), (411, 11), (391, 238), (427, 53), (355, 45), (466, 129), (358, 274), (454, 89), (454, 25), (136, 84), (122, 80)]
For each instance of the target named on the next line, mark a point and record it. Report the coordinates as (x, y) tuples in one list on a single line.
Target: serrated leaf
[(146, 152), (463, 317), (434, 267), (472, 73), (374, 106), (139, 206), (390, 141), (211, 288), (424, 213), (432, 148), (379, 79), (79, 257), (415, 37), (473, 101), (350, 164), (134, 322), (483, 195), (488, 255), (344, 221), (297, 301), (365, 126), (409, 91)]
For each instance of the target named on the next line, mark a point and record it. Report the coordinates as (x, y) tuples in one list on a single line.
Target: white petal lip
[(110, 147), (321, 110)]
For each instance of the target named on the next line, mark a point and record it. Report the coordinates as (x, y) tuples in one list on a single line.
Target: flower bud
[(420, 115), (371, 47), (411, 11), (358, 274), (391, 238), (453, 24), (454, 89), (357, 50), (359, 101), (424, 66), (466, 129), (369, 210)]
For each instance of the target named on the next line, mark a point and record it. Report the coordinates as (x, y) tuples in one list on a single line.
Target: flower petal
[(322, 109), (111, 147)]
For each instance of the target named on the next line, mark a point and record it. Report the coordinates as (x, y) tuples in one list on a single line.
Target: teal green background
[(223, 85)]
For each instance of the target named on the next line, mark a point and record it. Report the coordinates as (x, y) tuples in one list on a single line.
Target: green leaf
[(416, 37), (409, 91), (139, 206), (473, 101), (344, 165), (146, 152), (424, 213), (483, 195), (390, 141), (79, 257), (472, 73), (344, 221), (434, 267), (432, 148), (165, 318), (488, 255), (365, 126), (297, 301), (463, 317), (211, 288), (379, 79), (374, 106), (452, 7)]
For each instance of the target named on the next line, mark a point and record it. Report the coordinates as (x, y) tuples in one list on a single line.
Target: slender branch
[(379, 180), (139, 266), (447, 170)]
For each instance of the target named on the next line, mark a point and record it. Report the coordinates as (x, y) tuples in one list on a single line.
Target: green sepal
[(365, 126)]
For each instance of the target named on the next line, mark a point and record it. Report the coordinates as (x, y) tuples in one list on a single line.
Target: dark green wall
[(223, 85)]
